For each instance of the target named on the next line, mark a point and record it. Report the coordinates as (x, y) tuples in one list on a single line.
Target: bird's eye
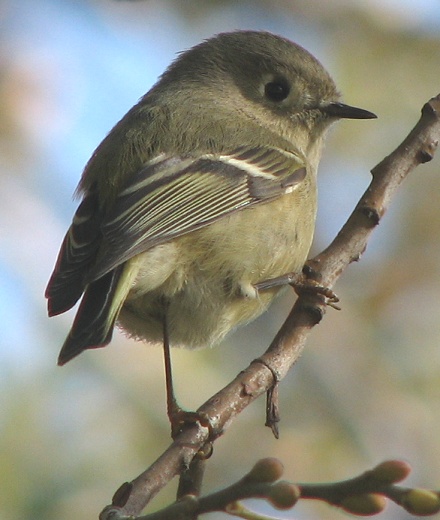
[(277, 90)]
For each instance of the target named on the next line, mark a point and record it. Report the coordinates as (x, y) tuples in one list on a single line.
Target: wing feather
[(183, 194), (77, 251), (169, 197)]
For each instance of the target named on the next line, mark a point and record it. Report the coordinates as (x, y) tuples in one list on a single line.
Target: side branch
[(363, 495), (258, 377)]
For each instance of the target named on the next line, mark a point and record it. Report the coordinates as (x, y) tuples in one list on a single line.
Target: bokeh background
[(367, 387)]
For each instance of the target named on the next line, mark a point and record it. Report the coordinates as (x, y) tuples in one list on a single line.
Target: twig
[(257, 378), (363, 495)]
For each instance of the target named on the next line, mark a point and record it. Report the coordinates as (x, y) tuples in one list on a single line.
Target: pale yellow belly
[(204, 280)]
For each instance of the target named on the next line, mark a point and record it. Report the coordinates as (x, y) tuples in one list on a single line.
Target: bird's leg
[(278, 281), (300, 283), (177, 416), (174, 411)]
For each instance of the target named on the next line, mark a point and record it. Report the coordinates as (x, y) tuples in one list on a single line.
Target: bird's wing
[(175, 196), (169, 197), (77, 253)]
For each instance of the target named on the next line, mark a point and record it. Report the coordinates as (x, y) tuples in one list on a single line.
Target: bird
[(205, 189)]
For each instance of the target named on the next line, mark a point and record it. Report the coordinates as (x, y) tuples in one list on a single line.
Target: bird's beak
[(342, 111)]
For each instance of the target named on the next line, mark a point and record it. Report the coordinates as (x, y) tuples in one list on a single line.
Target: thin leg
[(177, 416), (173, 409), (301, 284), (285, 279)]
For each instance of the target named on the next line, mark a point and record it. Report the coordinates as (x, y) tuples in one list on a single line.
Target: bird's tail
[(97, 313)]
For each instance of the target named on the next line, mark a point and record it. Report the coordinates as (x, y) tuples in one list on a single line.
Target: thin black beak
[(346, 111)]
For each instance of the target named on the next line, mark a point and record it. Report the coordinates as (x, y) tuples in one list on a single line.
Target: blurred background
[(367, 387)]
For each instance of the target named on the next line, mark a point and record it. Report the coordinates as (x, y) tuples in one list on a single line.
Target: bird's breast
[(203, 281)]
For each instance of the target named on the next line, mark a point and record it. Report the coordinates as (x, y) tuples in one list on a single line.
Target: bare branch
[(363, 495), (258, 377)]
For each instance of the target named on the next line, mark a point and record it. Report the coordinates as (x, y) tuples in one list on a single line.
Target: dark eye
[(277, 90)]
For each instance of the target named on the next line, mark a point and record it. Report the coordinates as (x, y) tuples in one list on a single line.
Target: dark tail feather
[(96, 316)]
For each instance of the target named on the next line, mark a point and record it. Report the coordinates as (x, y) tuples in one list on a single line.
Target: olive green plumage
[(206, 187)]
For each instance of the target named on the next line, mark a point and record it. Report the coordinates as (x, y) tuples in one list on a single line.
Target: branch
[(221, 409), (362, 495)]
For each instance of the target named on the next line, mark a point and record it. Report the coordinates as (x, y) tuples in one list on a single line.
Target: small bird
[(203, 190)]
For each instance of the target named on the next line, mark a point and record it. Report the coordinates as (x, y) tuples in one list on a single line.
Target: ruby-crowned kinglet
[(205, 188)]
